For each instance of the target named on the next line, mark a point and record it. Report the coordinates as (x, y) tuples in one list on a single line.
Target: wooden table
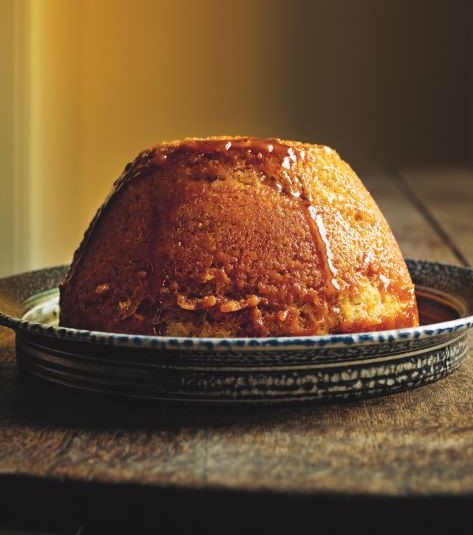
[(69, 460)]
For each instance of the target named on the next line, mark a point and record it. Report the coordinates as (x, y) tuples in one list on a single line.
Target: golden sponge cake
[(236, 236)]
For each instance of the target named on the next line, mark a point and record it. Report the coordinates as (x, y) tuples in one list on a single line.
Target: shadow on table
[(34, 402), (65, 507)]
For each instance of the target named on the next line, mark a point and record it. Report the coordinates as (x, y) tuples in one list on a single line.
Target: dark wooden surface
[(65, 454)]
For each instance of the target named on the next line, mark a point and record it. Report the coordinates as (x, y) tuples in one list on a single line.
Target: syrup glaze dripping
[(288, 183), (324, 247), (274, 162)]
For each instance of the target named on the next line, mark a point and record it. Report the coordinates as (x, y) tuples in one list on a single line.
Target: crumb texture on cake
[(234, 236)]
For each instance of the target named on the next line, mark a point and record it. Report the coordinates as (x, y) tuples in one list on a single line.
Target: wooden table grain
[(64, 452)]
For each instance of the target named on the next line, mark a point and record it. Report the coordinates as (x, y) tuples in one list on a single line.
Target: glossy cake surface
[(231, 237)]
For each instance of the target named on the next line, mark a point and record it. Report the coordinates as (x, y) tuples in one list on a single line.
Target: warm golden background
[(86, 84)]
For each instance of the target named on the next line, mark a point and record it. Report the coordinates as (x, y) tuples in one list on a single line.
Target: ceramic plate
[(243, 370)]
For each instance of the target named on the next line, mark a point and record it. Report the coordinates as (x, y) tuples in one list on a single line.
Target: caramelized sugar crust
[(238, 237)]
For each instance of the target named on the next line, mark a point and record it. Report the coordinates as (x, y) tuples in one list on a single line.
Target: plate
[(243, 370)]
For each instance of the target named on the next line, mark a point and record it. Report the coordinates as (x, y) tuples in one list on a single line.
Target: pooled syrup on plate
[(435, 307)]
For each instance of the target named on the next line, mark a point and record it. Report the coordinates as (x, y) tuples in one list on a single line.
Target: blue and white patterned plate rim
[(247, 344)]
